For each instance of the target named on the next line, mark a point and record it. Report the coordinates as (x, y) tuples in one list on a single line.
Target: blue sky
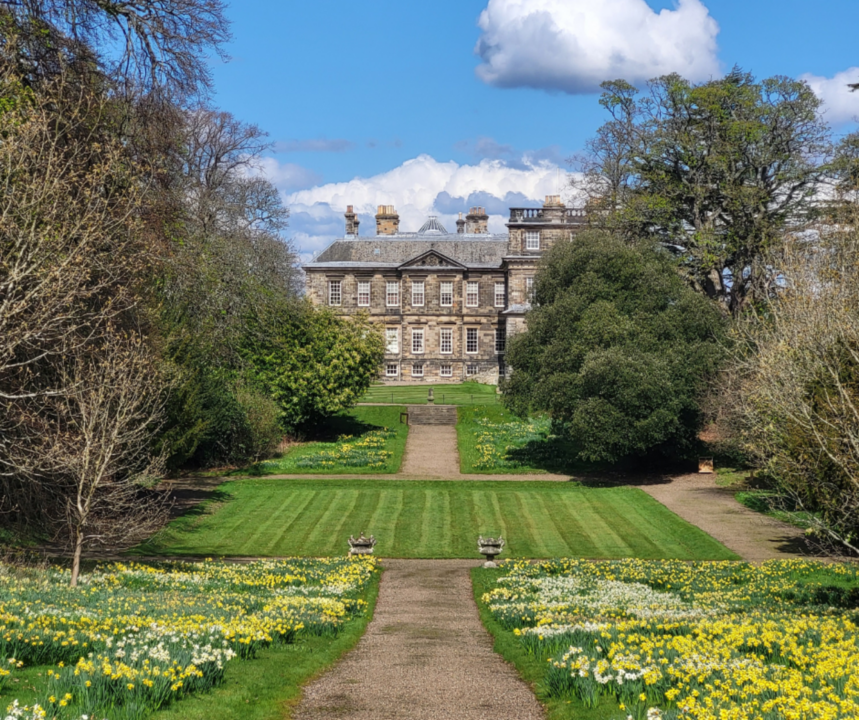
[(425, 106)]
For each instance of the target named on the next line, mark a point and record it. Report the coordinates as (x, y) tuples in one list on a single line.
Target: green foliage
[(617, 350), (314, 364), (213, 420), (713, 171)]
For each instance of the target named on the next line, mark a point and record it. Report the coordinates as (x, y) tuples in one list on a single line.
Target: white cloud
[(839, 104), (418, 188), (574, 45)]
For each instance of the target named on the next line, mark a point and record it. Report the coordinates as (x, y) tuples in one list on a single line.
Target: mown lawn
[(267, 517), (469, 393), (361, 440), (493, 440)]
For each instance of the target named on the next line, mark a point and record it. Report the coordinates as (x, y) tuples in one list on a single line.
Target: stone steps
[(432, 414)]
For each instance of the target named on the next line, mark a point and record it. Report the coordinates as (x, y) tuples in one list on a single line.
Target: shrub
[(617, 350)]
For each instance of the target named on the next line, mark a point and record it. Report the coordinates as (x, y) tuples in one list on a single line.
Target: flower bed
[(367, 451), (667, 639), (133, 638), (494, 441)]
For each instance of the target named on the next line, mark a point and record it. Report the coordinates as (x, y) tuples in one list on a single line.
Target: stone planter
[(361, 545), (490, 548)]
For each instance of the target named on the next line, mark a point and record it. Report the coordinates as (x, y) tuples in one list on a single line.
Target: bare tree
[(234, 250), (73, 261), (94, 445), (142, 43), (791, 395), (67, 229)]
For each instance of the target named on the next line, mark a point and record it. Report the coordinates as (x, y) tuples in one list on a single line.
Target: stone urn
[(361, 545), (490, 547)]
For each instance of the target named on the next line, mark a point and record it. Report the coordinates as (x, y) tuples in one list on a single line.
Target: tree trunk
[(76, 559)]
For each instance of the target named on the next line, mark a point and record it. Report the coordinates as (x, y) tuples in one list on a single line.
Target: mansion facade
[(448, 302)]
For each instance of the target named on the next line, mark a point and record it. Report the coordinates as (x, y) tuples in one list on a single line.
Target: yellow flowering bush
[(136, 637), (711, 641)]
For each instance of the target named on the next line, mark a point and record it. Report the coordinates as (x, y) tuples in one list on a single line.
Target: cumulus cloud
[(574, 45), (418, 188), (840, 105), (336, 145)]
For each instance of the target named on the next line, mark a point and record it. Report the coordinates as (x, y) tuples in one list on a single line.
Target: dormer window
[(532, 239)]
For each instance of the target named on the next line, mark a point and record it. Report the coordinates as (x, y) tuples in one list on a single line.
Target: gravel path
[(425, 656), (754, 537), (431, 451)]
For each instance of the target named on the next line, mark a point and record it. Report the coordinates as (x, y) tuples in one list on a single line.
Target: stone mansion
[(447, 301)]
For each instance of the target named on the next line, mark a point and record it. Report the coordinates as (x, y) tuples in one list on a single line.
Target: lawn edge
[(360, 629), (287, 699), (504, 644)]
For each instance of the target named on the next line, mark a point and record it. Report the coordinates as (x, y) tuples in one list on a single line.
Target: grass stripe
[(551, 532), (299, 500), (321, 535), (434, 519)]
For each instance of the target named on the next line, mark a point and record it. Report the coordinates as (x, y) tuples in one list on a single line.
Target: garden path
[(424, 656), (431, 451), (754, 537)]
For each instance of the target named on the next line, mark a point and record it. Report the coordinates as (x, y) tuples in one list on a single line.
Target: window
[(418, 370), (500, 340), (472, 370), (392, 340), (391, 370), (418, 340), (529, 288), (502, 368), (335, 292), (417, 292), (445, 345), (500, 295), (446, 297), (472, 294), (445, 371), (532, 239), (393, 294), (471, 340), (363, 293)]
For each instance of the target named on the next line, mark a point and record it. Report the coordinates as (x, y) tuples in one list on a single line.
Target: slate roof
[(473, 251)]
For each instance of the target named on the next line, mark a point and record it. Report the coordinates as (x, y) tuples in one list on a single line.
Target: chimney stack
[(553, 209), (460, 225), (352, 222), (387, 220), (477, 221)]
